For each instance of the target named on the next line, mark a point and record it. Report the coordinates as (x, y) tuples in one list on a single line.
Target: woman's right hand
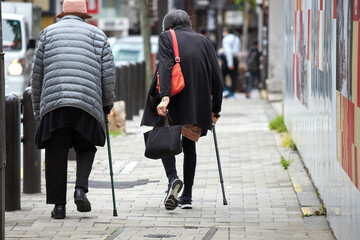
[(161, 108)]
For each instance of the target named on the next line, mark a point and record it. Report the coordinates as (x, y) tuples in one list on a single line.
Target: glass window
[(11, 32), (111, 8)]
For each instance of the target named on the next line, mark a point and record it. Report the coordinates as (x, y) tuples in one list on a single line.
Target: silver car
[(131, 48)]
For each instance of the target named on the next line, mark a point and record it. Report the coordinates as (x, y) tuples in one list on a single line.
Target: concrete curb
[(304, 188)]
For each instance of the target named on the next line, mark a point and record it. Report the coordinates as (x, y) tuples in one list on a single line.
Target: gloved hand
[(108, 108)]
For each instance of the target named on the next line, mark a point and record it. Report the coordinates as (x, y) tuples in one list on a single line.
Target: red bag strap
[(175, 45)]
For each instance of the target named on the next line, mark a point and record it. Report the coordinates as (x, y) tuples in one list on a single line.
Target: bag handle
[(167, 121), (175, 45)]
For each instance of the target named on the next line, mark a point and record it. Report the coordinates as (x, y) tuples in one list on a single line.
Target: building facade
[(322, 102)]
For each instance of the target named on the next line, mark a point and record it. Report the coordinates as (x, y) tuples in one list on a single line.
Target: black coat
[(203, 80)]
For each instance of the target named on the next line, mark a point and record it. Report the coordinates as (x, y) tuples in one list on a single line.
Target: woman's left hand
[(161, 108), (215, 117)]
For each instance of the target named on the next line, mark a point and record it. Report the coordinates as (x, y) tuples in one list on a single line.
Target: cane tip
[(115, 213), (225, 202)]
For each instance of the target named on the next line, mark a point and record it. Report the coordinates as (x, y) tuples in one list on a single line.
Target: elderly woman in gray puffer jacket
[(72, 87)]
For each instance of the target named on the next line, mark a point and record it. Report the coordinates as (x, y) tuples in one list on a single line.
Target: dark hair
[(203, 30), (255, 43), (176, 18), (229, 29)]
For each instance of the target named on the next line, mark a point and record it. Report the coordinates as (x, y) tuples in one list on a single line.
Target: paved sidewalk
[(261, 197)]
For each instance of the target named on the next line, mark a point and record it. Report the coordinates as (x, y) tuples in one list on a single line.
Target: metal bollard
[(129, 87), (13, 154), (134, 87), (125, 86), (32, 156), (117, 83), (121, 81), (142, 85), (138, 89)]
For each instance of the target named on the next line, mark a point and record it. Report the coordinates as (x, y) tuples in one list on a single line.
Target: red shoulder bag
[(177, 78)]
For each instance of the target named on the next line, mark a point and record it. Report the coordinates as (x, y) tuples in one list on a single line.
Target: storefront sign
[(92, 6), (114, 24)]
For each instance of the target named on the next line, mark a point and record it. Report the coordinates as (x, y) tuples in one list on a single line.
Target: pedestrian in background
[(231, 49), (72, 87), (253, 64), (198, 104)]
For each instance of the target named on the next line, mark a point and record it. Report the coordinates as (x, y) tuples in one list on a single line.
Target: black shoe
[(171, 199), (81, 201), (58, 212), (185, 202)]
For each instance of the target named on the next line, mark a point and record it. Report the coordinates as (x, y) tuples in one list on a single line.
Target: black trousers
[(233, 73), (189, 166), (56, 156)]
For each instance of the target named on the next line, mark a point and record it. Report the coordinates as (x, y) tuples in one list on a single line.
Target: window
[(11, 32)]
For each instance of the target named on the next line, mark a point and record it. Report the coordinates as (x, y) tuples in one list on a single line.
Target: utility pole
[(145, 32), (246, 27), (2, 137), (219, 22), (162, 11)]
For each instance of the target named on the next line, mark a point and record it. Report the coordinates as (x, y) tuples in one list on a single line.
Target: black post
[(2, 138), (138, 89), (121, 81), (142, 87), (32, 156), (117, 83), (134, 89), (127, 87), (13, 155), (130, 85)]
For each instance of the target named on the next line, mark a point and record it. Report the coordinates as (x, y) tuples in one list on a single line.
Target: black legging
[(189, 163)]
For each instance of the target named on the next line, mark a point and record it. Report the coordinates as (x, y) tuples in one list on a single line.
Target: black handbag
[(163, 141)]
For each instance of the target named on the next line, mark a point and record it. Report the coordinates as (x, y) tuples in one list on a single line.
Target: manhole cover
[(159, 236)]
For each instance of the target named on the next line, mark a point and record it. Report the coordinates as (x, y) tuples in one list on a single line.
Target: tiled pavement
[(262, 201)]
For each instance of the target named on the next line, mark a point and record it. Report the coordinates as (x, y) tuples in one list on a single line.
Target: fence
[(129, 86), (322, 102)]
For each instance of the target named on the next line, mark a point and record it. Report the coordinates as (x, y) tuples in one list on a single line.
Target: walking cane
[(110, 165), (219, 165)]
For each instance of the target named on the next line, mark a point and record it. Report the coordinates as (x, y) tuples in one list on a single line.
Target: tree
[(145, 32)]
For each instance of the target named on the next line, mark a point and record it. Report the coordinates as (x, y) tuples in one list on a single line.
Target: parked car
[(131, 49), (20, 27)]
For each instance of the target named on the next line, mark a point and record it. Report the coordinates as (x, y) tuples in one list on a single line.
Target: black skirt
[(70, 117)]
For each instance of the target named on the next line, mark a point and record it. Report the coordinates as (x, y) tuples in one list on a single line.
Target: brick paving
[(261, 197)]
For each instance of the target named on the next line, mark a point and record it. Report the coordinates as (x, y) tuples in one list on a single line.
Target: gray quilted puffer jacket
[(73, 66)]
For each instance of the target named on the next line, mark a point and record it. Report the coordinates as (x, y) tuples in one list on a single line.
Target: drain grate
[(210, 234), (115, 234)]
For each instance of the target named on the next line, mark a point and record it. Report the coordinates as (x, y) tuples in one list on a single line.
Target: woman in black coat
[(197, 104)]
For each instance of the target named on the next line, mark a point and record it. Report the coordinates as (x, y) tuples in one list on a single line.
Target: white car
[(131, 48)]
